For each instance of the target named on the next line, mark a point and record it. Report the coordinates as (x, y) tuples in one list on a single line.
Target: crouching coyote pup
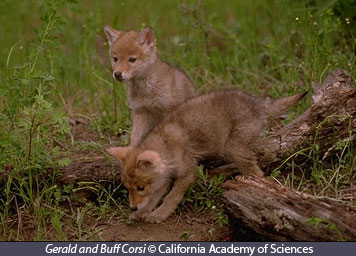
[(154, 87), (227, 123)]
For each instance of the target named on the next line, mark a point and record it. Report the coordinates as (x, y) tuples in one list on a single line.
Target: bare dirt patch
[(183, 227)]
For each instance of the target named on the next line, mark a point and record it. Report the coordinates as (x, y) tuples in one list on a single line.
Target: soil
[(185, 227)]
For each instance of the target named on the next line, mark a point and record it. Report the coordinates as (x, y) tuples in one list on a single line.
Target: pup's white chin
[(126, 77), (143, 204)]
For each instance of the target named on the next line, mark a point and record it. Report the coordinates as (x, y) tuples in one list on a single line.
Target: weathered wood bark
[(281, 214), (98, 168), (329, 119)]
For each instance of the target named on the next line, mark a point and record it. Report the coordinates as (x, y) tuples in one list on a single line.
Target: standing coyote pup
[(227, 123), (154, 87)]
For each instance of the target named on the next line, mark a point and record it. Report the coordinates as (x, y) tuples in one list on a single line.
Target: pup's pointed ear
[(119, 153), (147, 36), (148, 161), (111, 34)]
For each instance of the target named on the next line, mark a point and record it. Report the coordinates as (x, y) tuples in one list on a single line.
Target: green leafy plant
[(318, 221), (205, 194), (34, 131), (187, 234)]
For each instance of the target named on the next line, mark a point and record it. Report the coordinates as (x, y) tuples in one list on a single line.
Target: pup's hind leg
[(243, 157)]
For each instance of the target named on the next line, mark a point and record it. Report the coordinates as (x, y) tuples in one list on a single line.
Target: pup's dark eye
[(140, 188), (115, 59), (132, 59)]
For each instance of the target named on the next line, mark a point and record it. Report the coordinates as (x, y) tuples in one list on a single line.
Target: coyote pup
[(154, 87), (226, 123)]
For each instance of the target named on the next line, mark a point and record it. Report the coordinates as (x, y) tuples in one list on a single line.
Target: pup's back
[(208, 123)]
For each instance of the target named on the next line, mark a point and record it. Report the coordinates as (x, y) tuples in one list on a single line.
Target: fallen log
[(328, 120), (282, 214), (94, 169)]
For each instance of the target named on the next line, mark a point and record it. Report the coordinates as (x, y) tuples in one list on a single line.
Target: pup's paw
[(259, 173), (138, 216), (155, 218)]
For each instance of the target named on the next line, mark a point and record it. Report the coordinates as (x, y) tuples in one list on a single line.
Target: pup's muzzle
[(118, 75)]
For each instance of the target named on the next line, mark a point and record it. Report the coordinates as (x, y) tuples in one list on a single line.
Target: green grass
[(54, 67)]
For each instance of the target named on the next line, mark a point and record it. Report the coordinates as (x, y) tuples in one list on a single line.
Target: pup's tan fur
[(154, 87), (228, 124)]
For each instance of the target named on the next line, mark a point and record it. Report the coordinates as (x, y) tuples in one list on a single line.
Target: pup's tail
[(281, 105)]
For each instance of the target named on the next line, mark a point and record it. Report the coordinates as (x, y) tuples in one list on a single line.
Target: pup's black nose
[(118, 75), (133, 208)]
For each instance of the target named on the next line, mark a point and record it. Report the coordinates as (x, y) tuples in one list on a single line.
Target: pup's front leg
[(173, 199), (139, 127), (145, 212)]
